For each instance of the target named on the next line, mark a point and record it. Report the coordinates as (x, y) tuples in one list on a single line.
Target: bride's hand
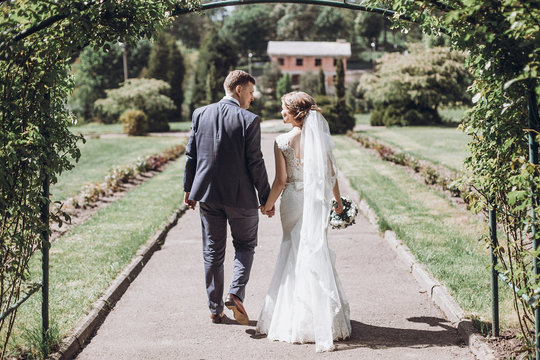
[(339, 207), (267, 210)]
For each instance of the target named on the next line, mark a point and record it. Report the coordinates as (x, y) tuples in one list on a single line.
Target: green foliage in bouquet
[(407, 89), (148, 95)]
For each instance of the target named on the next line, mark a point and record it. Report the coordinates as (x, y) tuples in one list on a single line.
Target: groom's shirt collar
[(227, 97)]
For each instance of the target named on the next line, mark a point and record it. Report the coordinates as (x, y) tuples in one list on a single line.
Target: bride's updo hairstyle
[(298, 104)]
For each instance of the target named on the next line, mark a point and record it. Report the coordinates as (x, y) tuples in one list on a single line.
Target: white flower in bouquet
[(347, 216)]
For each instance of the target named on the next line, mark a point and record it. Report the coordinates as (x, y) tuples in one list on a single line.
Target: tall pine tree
[(219, 52), (159, 58), (284, 86), (340, 79), (211, 85), (175, 77), (167, 63), (321, 83)]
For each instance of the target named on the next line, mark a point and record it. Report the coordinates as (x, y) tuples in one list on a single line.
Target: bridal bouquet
[(347, 216)]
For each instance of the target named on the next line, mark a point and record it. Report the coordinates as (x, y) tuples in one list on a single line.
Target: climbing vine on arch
[(502, 39), (37, 41)]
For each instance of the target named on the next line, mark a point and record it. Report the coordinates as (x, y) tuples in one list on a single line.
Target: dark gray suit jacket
[(224, 162)]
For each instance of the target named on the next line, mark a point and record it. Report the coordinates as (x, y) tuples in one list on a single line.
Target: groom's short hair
[(235, 78)]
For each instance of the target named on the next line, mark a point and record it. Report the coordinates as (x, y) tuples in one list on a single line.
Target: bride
[(305, 302)]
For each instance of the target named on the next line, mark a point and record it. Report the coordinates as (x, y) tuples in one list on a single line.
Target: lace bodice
[(295, 171)]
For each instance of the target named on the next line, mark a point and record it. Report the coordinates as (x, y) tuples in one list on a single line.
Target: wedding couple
[(225, 173)]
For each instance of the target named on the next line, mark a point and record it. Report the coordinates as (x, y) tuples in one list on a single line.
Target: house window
[(335, 61), (281, 61), (299, 61), (295, 79), (318, 62)]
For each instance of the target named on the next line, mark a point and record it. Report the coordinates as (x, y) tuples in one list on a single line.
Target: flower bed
[(114, 180), (432, 174)]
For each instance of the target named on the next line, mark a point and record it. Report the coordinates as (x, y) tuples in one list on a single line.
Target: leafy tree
[(190, 29), (284, 85), (298, 23), (321, 83), (411, 87), (340, 79), (99, 70), (167, 63), (250, 28), (332, 24), (368, 26), (148, 95)]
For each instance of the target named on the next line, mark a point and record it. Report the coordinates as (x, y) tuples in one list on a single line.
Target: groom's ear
[(238, 90)]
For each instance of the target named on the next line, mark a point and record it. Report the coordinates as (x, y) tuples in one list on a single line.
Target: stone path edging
[(84, 330), (435, 290)]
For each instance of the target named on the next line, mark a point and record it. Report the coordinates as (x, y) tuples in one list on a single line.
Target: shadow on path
[(381, 337)]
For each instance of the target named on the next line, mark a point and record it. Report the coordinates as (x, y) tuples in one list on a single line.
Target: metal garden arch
[(533, 156)]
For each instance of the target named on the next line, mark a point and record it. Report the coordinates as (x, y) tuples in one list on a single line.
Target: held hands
[(268, 211), (190, 203)]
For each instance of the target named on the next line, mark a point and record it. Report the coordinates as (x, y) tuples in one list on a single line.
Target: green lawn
[(444, 145), (442, 236), (85, 261), (441, 145), (99, 155), (100, 129)]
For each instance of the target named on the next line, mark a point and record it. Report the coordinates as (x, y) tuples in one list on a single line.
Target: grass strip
[(102, 129), (99, 155), (444, 146), (442, 236), (85, 261)]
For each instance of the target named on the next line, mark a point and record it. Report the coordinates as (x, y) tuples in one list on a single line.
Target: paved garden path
[(163, 315)]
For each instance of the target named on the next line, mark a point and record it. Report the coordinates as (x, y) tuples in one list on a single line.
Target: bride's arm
[(337, 195), (279, 181), (339, 207)]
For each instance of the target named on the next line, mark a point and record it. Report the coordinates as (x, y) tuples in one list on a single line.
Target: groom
[(224, 167)]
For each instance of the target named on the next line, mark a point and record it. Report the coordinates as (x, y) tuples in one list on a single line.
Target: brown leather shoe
[(217, 319), (234, 303)]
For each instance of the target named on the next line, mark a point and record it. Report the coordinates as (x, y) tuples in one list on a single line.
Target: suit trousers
[(244, 225)]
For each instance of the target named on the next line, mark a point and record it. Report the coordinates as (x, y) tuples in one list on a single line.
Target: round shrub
[(377, 116), (134, 122), (339, 116), (396, 114), (323, 100), (148, 95)]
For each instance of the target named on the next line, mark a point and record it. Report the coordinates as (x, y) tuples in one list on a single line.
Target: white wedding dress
[(305, 302)]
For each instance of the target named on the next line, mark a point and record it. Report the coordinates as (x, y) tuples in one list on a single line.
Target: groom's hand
[(190, 203)]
